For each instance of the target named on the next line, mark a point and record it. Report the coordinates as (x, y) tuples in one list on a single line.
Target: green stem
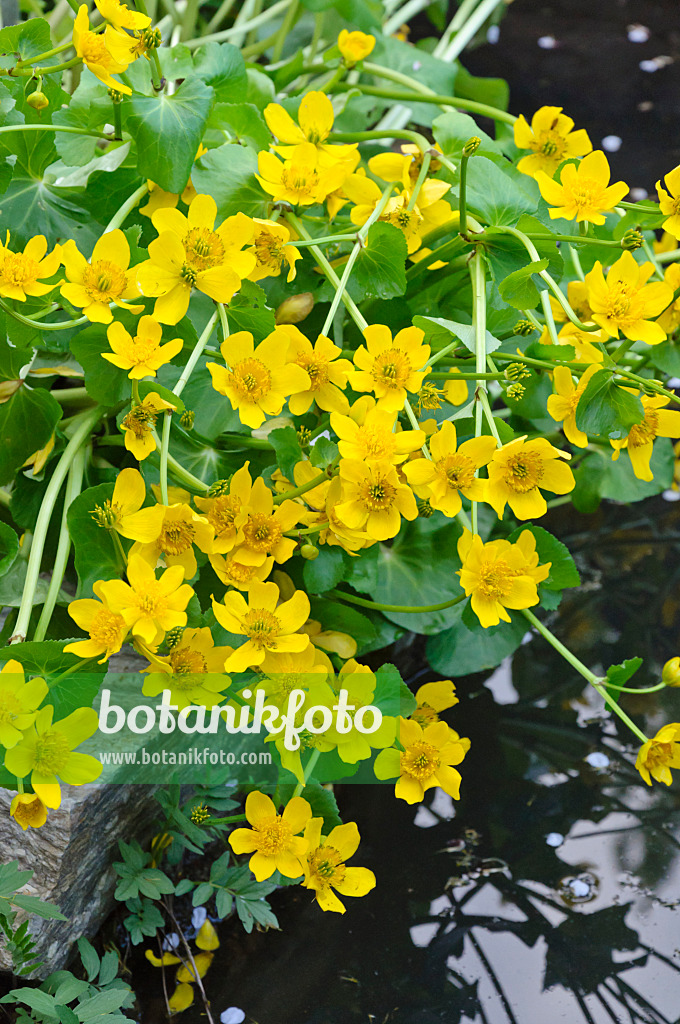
[(54, 128), (38, 323), (401, 608), (309, 768), (579, 239), (127, 207), (239, 30), (117, 121), (390, 133), (286, 25), (73, 487), (229, 820), (631, 689), (462, 200), (295, 492), (422, 175), (43, 56), (310, 529), (189, 19), (164, 451), (478, 280), (220, 14), (483, 109), (88, 420), (32, 72)]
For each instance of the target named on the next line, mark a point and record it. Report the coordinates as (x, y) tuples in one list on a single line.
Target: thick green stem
[(289, 20), (127, 207), (390, 133), (309, 768), (39, 323), (54, 128), (240, 30), (478, 280), (73, 487), (295, 492), (483, 109), (79, 438)]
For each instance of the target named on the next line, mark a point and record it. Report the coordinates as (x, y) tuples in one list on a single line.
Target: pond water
[(551, 891)]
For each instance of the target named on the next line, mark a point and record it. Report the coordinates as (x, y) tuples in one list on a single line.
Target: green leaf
[(287, 447), (563, 571), (498, 195), (392, 695), (326, 570), (46, 658), (41, 1002), (89, 957), (101, 1003), (96, 555), (34, 905), (380, 267), (323, 804), (620, 674), (518, 289), (398, 56), (27, 422), (440, 332), (459, 651), (221, 66), (605, 408), (506, 253), (340, 617), (243, 121), (167, 131), (9, 548), (453, 129), (228, 175)]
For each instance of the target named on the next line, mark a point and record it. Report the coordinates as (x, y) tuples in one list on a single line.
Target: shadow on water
[(551, 891)]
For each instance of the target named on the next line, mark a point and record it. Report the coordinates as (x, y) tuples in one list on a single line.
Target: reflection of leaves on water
[(595, 936)]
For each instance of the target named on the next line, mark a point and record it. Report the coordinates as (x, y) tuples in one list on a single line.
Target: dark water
[(551, 891)]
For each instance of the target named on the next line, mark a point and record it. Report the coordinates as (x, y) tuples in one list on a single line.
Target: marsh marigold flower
[(326, 371), (262, 527), (551, 138), (274, 839), (107, 629), (639, 442), (520, 469), (583, 192), (142, 355), (105, 279), (324, 865), (390, 367), (428, 213), (271, 251), (149, 606), (451, 470), (140, 422), (190, 252), (47, 752), (120, 16), (21, 273), (669, 201), (374, 498), (354, 46), (562, 404), (123, 512), (193, 671), (315, 123), (657, 756), (178, 529), (300, 179), (269, 627), (500, 575), (583, 342), (92, 48), (257, 380), (623, 301), (28, 810), (19, 702), (427, 760), (374, 437), (223, 509), (670, 318)]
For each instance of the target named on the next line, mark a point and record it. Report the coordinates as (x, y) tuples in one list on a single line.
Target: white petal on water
[(547, 43), (638, 33), (597, 759), (554, 839), (198, 917), (232, 1015), (612, 143)]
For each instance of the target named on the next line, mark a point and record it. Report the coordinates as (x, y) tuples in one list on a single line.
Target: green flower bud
[(219, 487), (472, 145), (671, 672), (38, 100), (309, 552), (632, 240), (523, 327)]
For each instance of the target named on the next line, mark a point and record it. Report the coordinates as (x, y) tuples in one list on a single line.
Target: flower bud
[(295, 308), (309, 552), (152, 38), (472, 145), (354, 46), (219, 487), (38, 100), (632, 240), (173, 636), (671, 672), (523, 327), (187, 419), (425, 510)]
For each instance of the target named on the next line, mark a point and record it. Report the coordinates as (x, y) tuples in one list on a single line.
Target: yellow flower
[(375, 439), (28, 810), (46, 753), (142, 355), (670, 201), (324, 862), (451, 471), (403, 166), (257, 381), (19, 702), (21, 272), (562, 405), (105, 279), (262, 527), (429, 212), (222, 510), (315, 123), (38, 460), (551, 140), (658, 422), (268, 625), (670, 318), (91, 47), (584, 192), (657, 756), (519, 469), (390, 368), (585, 349), (140, 422), (190, 252), (499, 575), (327, 373), (107, 629), (159, 199), (354, 46), (667, 243), (124, 513), (300, 179), (119, 15), (624, 301), (577, 295), (125, 48), (271, 251), (149, 606), (374, 499), (426, 760), (433, 698), (193, 671), (274, 839), (235, 574), (179, 528)]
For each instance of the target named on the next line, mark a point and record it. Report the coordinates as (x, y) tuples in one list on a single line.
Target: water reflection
[(551, 892)]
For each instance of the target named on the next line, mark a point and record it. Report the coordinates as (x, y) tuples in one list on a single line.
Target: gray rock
[(71, 857)]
